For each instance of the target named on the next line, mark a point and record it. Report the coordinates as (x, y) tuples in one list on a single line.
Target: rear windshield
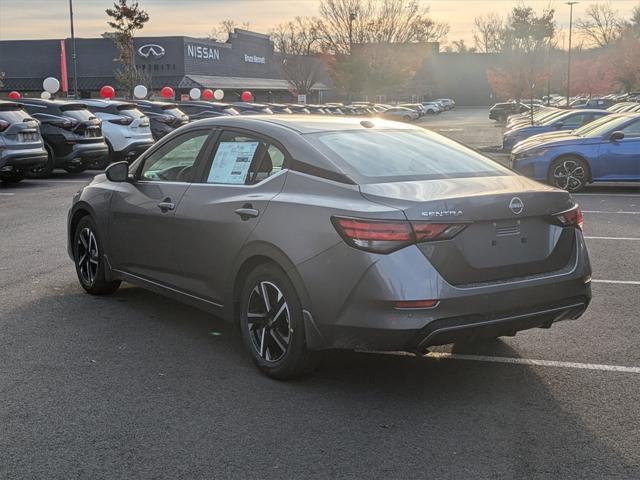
[(130, 111), (77, 111), (376, 156), (13, 114), (175, 111)]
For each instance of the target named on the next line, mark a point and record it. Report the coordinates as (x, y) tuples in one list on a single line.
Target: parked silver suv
[(21, 145)]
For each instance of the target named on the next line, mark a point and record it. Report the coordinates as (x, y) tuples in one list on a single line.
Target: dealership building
[(247, 61)]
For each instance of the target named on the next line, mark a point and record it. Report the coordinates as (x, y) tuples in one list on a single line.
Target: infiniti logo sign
[(516, 205), (151, 50)]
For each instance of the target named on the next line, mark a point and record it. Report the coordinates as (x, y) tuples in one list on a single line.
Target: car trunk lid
[(511, 230)]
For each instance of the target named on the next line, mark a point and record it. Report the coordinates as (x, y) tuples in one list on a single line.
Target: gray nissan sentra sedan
[(316, 233)]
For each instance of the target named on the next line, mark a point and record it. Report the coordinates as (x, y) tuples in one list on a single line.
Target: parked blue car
[(567, 120), (607, 150)]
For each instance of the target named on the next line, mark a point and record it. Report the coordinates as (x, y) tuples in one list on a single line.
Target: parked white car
[(432, 107), (400, 113), (446, 102), (125, 128)]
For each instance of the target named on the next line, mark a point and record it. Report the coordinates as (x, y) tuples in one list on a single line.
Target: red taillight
[(65, 123), (572, 218), (122, 120), (385, 236), (416, 304)]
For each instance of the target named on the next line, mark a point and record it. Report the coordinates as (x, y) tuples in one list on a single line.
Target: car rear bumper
[(132, 151), (83, 153), (365, 316), (21, 159)]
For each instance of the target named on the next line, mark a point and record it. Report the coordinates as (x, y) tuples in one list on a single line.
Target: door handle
[(166, 206), (247, 212)]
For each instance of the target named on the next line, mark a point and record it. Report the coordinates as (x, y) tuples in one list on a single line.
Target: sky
[(29, 19)]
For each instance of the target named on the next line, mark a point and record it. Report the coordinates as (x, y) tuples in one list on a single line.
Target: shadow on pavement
[(138, 386)]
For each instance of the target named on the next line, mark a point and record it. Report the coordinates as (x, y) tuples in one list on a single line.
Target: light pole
[(352, 17), (73, 52), (571, 4)]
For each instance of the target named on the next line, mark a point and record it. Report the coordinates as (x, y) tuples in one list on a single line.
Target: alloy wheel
[(87, 257), (269, 321), (569, 175)]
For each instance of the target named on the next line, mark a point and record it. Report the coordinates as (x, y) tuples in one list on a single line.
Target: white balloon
[(140, 91), (218, 94), (195, 93), (45, 95), (51, 85)]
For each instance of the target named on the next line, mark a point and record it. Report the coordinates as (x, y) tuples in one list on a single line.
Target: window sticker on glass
[(232, 161)]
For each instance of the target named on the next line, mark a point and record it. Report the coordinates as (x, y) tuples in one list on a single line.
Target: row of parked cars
[(572, 148), (38, 136)]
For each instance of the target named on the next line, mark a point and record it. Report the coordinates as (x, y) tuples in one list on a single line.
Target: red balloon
[(207, 94), (16, 95), (246, 96), (166, 92), (107, 92)]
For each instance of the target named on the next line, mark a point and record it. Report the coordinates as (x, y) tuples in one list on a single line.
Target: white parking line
[(607, 194), (602, 211), (617, 282), (65, 181), (527, 361), (5, 194), (612, 238)]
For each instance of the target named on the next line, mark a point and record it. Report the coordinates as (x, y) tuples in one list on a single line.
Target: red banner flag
[(64, 81)]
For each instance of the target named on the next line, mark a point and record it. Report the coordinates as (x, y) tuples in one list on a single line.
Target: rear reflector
[(385, 236), (416, 304), (571, 218)]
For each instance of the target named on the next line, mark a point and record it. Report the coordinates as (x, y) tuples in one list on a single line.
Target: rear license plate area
[(28, 137)]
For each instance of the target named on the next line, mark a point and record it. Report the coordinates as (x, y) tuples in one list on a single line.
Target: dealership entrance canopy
[(246, 61)]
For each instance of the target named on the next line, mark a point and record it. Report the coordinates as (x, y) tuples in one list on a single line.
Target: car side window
[(575, 121), (174, 161), (632, 130), (242, 159)]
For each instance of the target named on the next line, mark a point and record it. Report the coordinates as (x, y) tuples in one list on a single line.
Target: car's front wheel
[(89, 259), (272, 325), (569, 173)]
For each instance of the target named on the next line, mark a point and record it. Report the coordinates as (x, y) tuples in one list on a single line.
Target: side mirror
[(559, 124), (118, 172), (617, 135)]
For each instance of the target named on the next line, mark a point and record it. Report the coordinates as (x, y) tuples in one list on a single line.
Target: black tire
[(45, 171), (73, 169), (569, 173), (89, 259), (406, 118), (11, 177), (274, 336)]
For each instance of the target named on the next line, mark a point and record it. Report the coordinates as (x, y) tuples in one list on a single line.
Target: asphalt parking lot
[(138, 386)]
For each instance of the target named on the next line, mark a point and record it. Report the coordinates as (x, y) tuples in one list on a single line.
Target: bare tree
[(348, 22), (488, 33), (297, 41), (602, 26), (126, 20), (459, 46), (225, 28)]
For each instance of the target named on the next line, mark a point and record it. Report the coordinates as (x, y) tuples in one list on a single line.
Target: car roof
[(8, 102), (100, 102), (587, 110), (305, 124), (204, 103), (52, 102)]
